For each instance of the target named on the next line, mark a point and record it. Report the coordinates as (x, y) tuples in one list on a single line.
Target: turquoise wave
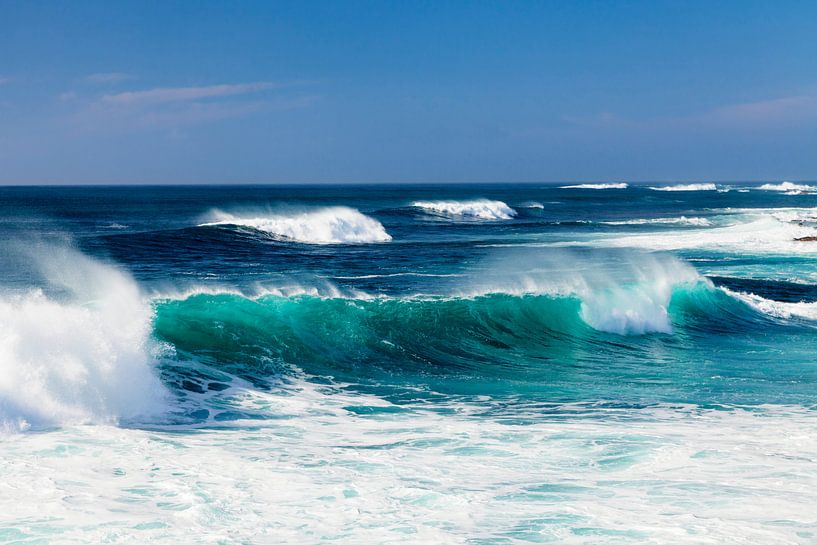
[(521, 344)]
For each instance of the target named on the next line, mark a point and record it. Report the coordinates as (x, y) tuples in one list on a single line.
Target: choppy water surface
[(587, 363)]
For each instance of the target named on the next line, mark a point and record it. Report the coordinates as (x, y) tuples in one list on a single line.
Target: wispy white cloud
[(203, 112), (163, 95), (174, 107), (773, 113), (4, 81), (777, 111), (109, 77)]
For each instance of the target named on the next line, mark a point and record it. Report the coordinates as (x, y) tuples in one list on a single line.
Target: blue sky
[(221, 92)]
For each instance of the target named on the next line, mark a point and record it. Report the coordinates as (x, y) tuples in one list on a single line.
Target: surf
[(79, 349)]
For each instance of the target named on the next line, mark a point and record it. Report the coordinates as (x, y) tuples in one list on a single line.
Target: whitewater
[(569, 363)]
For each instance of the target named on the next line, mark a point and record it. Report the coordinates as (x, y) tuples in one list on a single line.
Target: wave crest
[(330, 225), (482, 209)]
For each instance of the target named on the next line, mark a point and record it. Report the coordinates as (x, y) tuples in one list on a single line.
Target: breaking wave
[(78, 351), (685, 187), (779, 309), (789, 188), (619, 185), (482, 209), (330, 225)]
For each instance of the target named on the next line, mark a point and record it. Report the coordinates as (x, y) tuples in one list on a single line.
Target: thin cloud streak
[(203, 112), (762, 114), (163, 95), (109, 77)]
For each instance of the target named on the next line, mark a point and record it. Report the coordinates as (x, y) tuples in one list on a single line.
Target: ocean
[(477, 364)]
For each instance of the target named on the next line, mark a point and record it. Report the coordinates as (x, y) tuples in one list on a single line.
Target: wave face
[(330, 225), (481, 209), (80, 356), (618, 185), (685, 187)]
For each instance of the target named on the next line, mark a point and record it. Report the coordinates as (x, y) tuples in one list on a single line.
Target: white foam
[(763, 233), (441, 473), (79, 357), (789, 188), (777, 309), (482, 209), (686, 187), (618, 185), (532, 204), (330, 225), (683, 220)]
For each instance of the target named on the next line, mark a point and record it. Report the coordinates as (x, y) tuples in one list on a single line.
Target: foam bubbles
[(440, 473)]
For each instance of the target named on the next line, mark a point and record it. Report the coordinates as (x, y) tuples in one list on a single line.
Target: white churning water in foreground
[(445, 474)]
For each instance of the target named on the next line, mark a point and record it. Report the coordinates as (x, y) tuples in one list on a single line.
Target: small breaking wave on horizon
[(328, 225), (478, 209), (610, 185), (686, 187)]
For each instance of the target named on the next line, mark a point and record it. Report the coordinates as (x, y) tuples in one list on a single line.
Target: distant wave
[(683, 220), (619, 185), (482, 209), (686, 187), (330, 225), (532, 204), (789, 188)]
